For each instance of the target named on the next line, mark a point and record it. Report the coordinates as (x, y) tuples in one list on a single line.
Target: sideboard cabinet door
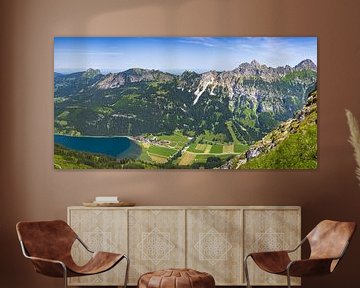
[(270, 230), (214, 244), (101, 230), (156, 240)]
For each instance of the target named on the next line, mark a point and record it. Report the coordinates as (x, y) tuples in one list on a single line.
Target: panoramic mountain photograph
[(185, 103)]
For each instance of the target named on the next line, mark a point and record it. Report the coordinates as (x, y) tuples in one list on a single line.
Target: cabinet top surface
[(193, 207)]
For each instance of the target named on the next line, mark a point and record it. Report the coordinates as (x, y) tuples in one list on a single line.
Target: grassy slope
[(298, 151), (177, 140), (240, 148)]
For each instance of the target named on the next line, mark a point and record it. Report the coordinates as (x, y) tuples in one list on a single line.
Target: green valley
[(200, 121)]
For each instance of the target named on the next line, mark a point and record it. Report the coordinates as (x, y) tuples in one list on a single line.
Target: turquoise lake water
[(118, 147)]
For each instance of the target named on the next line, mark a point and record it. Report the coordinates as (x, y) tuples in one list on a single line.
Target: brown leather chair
[(328, 242), (48, 245)]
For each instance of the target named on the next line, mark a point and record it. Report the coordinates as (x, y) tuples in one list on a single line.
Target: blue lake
[(119, 147)]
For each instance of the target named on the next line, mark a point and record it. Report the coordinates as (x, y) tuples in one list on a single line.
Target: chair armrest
[(268, 254), (49, 267), (46, 260), (280, 251), (83, 244), (298, 246), (271, 261), (309, 267)]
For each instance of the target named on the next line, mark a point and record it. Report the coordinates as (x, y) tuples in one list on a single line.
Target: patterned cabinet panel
[(214, 244), (269, 230), (156, 240), (101, 230)]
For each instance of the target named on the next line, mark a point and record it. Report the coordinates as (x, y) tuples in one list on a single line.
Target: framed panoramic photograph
[(185, 103)]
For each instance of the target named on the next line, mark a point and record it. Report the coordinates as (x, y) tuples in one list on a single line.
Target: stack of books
[(106, 199)]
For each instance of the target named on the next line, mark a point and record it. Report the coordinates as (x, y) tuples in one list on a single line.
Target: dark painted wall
[(32, 190)]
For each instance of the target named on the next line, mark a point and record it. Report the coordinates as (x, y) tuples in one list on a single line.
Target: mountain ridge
[(253, 63), (253, 97)]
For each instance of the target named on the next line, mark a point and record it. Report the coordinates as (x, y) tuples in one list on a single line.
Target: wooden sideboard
[(213, 239)]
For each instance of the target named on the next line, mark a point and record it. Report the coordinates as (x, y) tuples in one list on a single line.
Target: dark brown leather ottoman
[(176, 278)]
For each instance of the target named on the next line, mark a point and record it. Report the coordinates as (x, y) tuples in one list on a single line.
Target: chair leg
[(65, 276), (288, 279), (246, 270), (126, 271)]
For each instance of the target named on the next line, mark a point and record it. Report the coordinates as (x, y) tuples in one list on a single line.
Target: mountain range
[(248, 101)]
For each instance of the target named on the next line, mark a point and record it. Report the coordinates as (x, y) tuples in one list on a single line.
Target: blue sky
[(173, 54)]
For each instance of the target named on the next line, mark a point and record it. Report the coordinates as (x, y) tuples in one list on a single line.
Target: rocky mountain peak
[(255, 64), (232, 82), (306, 64), (133, 75), (90, 73), (188, 73), (137, 71)]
